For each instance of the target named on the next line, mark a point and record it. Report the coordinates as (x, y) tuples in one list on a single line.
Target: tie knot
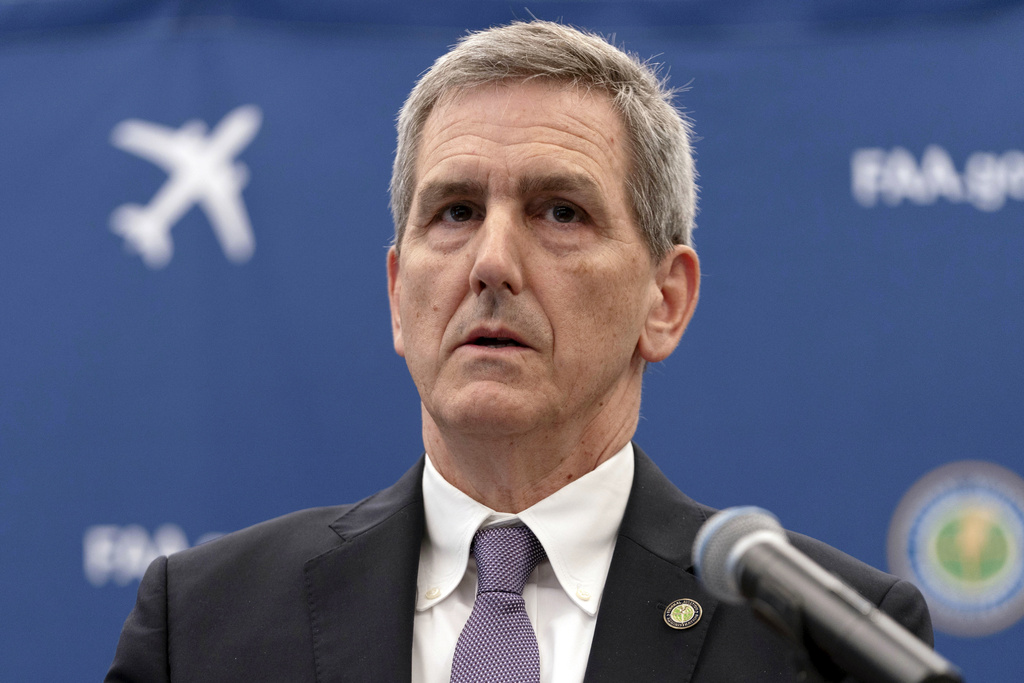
[(505, 558)]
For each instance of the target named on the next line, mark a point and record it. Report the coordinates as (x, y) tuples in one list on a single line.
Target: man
[(543, 197)]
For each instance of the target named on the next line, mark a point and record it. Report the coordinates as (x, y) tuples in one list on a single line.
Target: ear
[(394, 299), (677, 279)]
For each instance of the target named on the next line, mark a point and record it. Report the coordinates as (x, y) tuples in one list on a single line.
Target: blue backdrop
[(861, 235)]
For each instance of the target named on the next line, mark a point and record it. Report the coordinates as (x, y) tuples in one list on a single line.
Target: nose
[(497, 262)]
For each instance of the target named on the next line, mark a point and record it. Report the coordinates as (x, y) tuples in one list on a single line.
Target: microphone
[(742, 554)]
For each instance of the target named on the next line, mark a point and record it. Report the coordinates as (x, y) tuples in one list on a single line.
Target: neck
[(509, 473)]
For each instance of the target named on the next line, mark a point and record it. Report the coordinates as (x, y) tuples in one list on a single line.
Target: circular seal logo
[(682, 613), (958, 534)]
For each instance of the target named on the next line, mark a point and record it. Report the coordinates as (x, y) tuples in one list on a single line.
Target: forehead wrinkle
[(609, 141), (565, 131), (593, 164), (576, 142)]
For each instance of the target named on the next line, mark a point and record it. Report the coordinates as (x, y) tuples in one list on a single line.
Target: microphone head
[(714, 549)]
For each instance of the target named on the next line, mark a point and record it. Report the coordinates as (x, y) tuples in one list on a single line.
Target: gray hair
[(661, 183)]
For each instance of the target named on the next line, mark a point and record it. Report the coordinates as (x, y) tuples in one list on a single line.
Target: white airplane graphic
[(200, 171)]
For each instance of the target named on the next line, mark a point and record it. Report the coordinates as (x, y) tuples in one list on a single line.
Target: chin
[(502, 412)]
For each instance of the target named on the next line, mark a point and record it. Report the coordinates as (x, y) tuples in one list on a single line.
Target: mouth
[(494, 342), (497, 337)]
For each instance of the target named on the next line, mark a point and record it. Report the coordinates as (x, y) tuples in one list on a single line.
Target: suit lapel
[(362, 592), (651, 568)]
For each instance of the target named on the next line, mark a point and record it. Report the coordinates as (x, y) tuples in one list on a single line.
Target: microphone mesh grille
[(716, 540)]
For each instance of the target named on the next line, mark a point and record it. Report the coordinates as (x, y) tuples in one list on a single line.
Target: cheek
[(429, 298), (602, 315), (626, 297)]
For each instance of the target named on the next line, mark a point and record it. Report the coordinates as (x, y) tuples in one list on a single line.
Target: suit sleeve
[(141, 655), (906, 605)]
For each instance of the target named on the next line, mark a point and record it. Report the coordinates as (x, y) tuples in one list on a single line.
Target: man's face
[(523, 285)]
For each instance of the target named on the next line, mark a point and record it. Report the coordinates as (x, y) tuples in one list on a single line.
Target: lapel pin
[(682, 613)]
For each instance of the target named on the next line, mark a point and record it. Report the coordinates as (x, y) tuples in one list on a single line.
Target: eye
[(458, 213), (563, 214)]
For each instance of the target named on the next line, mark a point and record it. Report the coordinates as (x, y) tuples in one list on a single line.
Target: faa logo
[(958, 534)]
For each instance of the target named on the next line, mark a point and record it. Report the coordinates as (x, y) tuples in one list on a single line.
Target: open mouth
[(495, 342)]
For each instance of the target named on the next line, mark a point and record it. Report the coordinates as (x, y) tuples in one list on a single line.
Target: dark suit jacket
[(328, 595)]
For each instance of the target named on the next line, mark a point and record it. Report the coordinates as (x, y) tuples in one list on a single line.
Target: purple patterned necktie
[(498, 644)]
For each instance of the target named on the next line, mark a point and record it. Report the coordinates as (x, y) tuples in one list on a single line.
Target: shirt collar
[(577, 525)]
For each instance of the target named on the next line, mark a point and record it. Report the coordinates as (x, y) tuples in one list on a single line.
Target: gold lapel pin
[(682, 613)]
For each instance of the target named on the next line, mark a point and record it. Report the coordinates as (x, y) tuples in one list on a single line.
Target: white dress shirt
[(577, 525)]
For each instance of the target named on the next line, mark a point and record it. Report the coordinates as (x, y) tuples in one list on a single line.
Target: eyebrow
[(438, 191), (577, 183)]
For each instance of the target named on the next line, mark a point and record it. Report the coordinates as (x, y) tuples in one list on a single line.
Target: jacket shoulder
[(899, 598), (305, 533), (200, 609), (292, 539)]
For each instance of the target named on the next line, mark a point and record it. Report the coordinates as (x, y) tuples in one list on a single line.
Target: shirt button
[(582, 593), (433, 593)]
